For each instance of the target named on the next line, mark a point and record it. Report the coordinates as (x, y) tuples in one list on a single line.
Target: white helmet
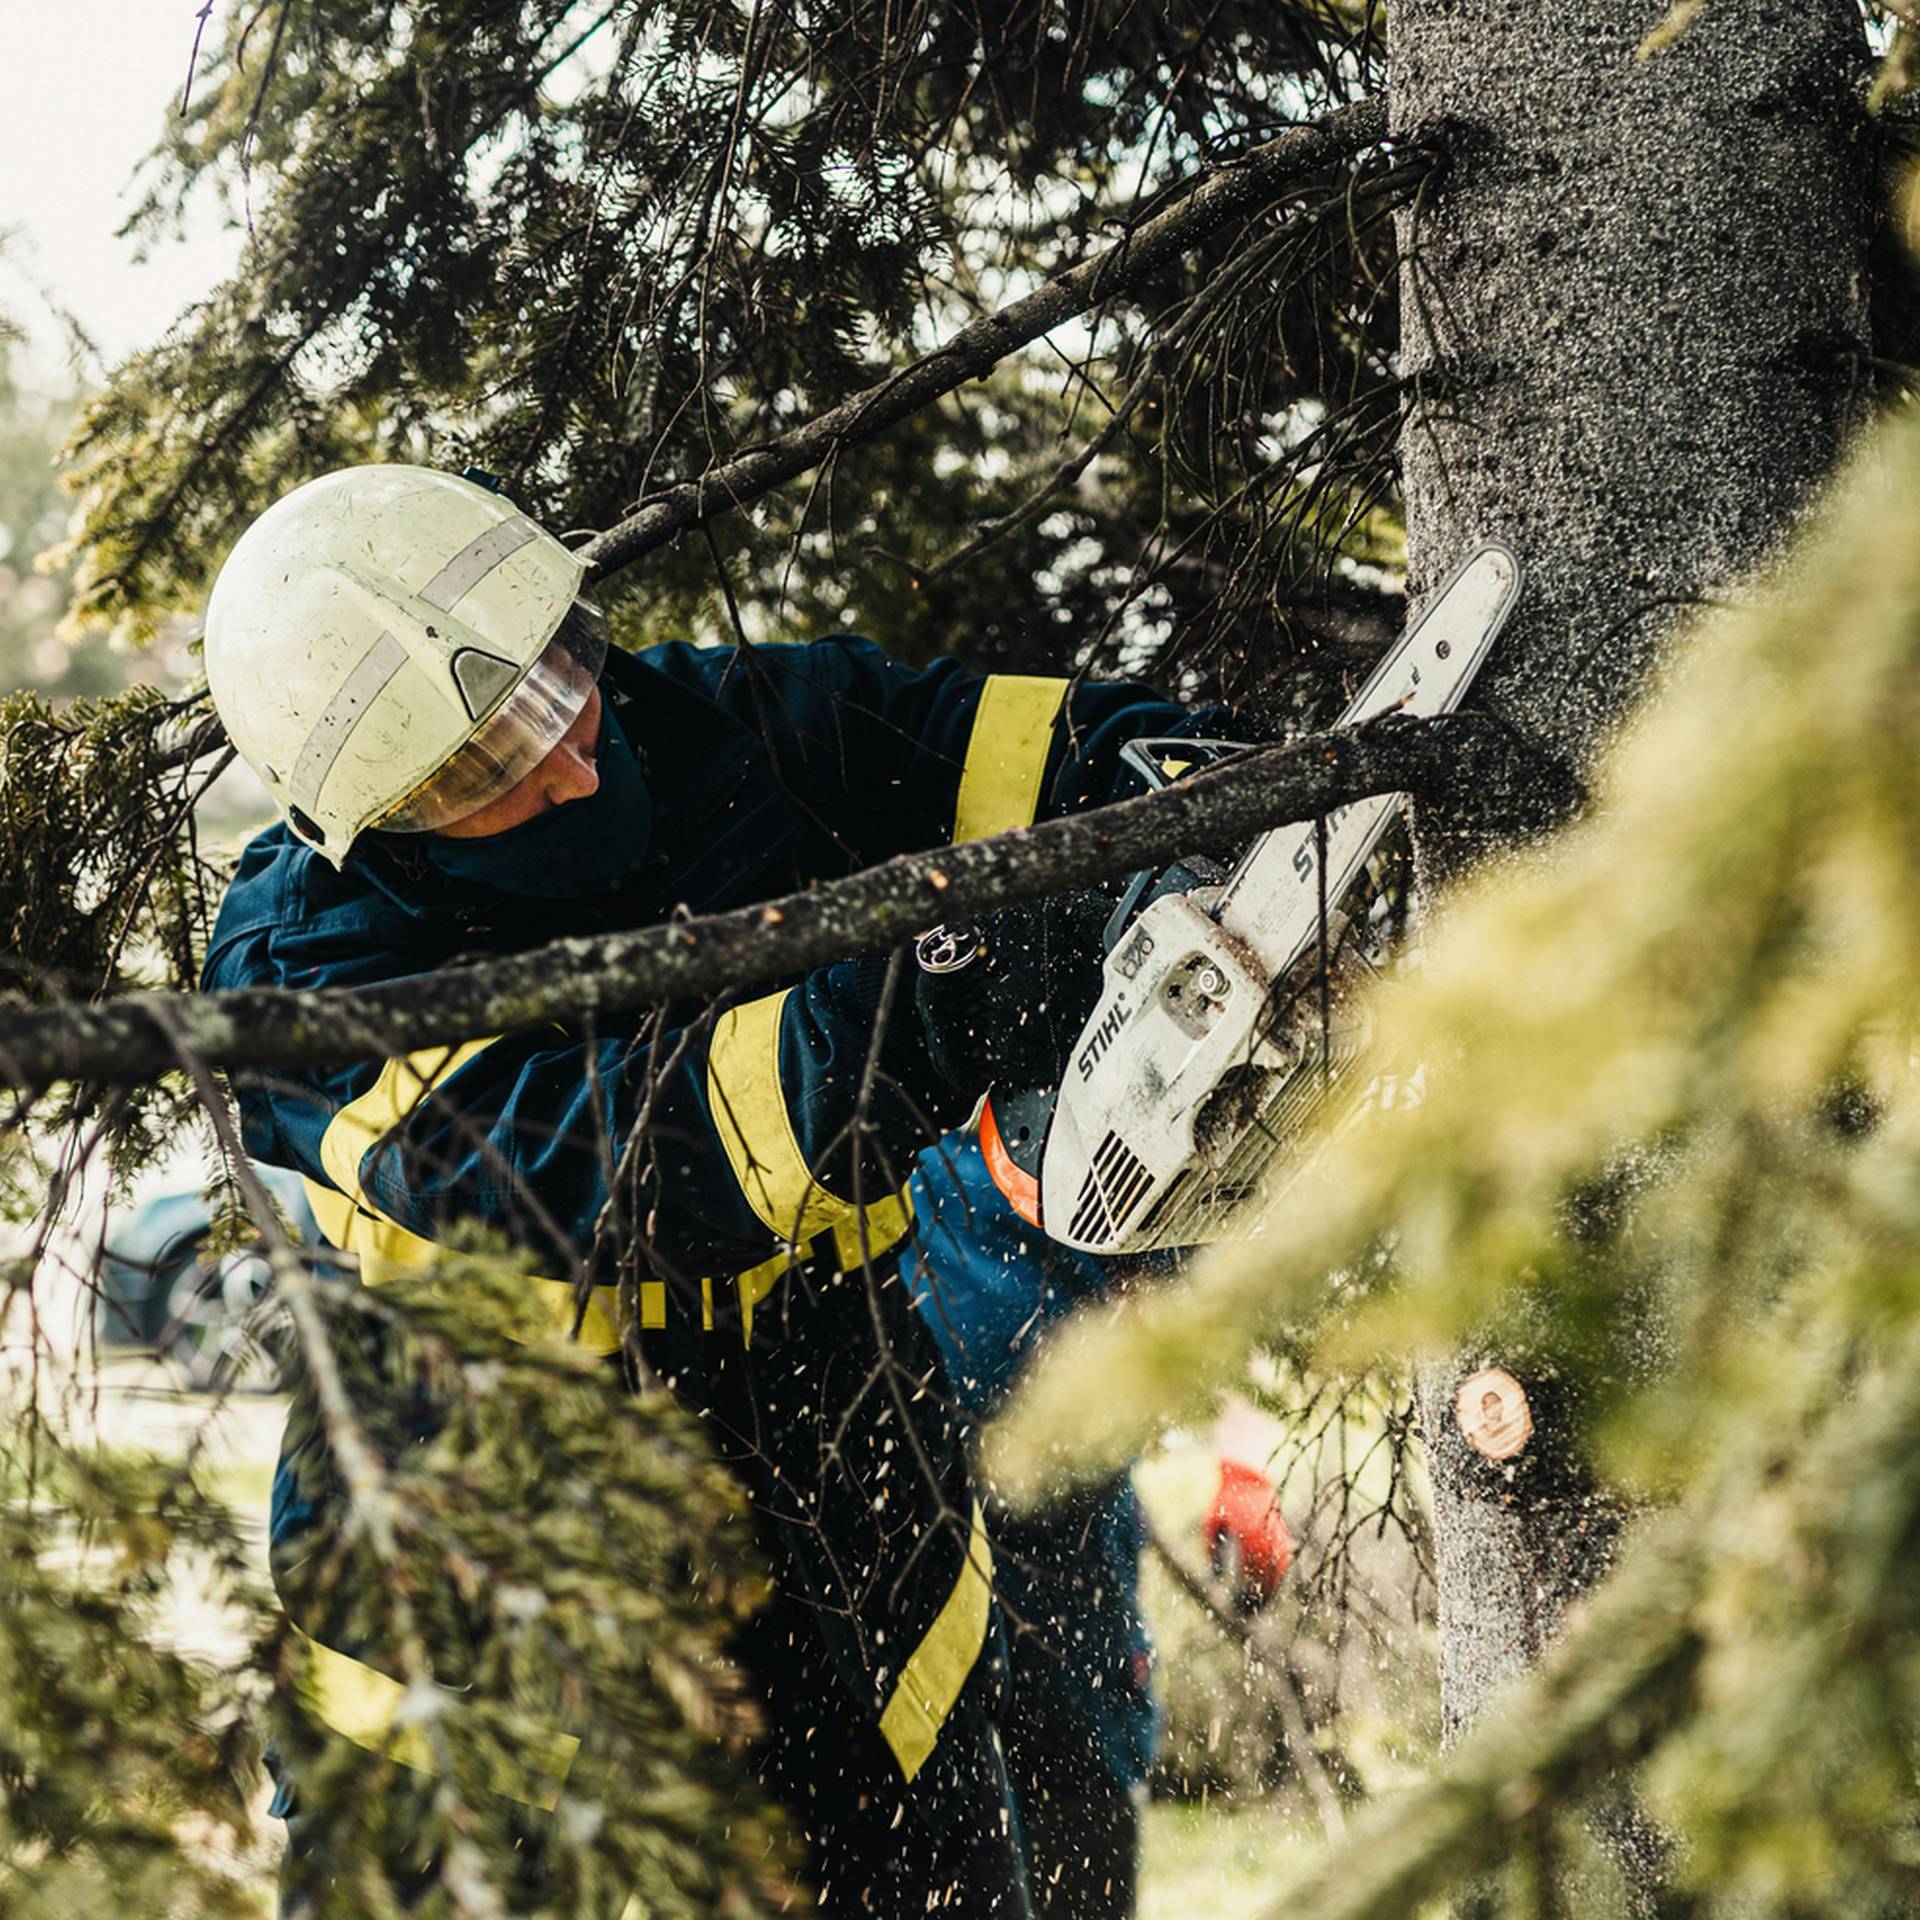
[(391, 646)]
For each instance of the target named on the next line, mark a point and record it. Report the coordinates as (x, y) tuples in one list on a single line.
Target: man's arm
[(899, 759), (748, 1113)]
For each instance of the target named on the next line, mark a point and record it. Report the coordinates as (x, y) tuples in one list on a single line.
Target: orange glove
[(1247, 1541)]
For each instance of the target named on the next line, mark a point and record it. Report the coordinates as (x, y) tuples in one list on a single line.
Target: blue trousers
[(949, 1843)]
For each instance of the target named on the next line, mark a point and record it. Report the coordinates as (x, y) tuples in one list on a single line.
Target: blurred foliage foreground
[(551, 1566), (1672, 1153)]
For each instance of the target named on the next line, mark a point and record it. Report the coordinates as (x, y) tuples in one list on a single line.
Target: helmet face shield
[(517, 735)]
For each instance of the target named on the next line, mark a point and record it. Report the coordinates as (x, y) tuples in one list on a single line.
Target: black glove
[(1005, 1000)]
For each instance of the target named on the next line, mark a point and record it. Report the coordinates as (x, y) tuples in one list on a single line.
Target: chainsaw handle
[(1013, 1134)]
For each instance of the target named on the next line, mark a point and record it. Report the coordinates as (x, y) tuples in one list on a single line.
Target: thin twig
[(1293, 1716), (193, 59), (1242, 186)]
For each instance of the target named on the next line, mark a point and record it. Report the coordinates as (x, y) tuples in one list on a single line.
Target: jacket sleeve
[(904, 758), (747, 1115), (747, 1112)]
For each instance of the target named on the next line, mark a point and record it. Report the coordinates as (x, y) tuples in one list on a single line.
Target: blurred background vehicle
[(167, 1285)]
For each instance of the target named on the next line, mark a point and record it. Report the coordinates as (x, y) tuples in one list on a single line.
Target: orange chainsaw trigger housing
[(1022, 1190)]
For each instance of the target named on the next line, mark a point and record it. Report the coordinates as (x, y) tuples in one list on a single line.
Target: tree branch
[(131, 1040), (1244, 184), (1239, 187)]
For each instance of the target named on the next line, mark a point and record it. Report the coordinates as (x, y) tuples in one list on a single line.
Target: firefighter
[(462, 768)]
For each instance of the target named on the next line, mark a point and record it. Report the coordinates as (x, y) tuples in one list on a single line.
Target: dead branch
[(132, 1040)]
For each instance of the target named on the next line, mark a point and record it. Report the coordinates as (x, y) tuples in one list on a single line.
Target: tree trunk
[(1634, 310)]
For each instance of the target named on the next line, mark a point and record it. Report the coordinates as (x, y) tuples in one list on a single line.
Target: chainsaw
[(1231, 1004)]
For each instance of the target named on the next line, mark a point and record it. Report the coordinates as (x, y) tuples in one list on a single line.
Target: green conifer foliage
[(561, 1562), (597, 247), (1668, 1151), (124, 1764), (562, 1558)]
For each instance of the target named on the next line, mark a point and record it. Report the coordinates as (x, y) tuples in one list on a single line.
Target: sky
[(92, 83)]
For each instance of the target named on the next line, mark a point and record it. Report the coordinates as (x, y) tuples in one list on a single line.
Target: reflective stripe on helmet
[(318, 592), (331, 730), (476, 560)]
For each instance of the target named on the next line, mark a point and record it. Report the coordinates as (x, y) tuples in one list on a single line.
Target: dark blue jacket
[(754, 1202)]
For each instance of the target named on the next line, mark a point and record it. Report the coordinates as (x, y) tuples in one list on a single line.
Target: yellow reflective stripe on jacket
[(364, 1705), (887, 1222), (386, 1250), (348, 1217), (751, 1118), (353, 1699), (937, 1669), (754, 1285), (1006, 754), (402, 1084), (749, 1107)]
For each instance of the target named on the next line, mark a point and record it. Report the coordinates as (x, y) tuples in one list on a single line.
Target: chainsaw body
[(1232, 1002)]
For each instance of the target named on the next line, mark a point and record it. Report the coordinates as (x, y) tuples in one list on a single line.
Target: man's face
[(567, 773)]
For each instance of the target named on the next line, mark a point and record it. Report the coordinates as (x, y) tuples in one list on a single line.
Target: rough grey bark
[(1634, 308)]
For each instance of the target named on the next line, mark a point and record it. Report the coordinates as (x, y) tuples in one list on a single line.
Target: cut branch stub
[(1490, 1407)]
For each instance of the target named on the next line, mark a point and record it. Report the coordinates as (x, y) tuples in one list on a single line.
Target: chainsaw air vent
[(1116, 1183)]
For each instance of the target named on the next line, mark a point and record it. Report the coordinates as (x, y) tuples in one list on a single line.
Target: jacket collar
[(722, 835)]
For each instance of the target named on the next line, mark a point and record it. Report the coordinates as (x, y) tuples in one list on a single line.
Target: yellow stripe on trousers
[(1006, 754), (937, 1669)]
